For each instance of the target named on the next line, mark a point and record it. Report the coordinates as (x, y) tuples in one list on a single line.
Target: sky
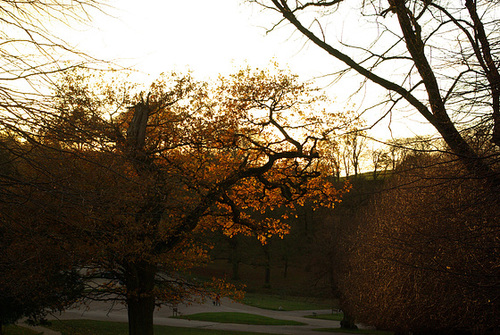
[(208, 37), (212, 37)]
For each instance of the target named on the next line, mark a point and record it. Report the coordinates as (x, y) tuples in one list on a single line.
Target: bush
[(426, 258)]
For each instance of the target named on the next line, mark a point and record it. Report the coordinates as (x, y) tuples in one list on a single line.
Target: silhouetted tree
[(440, 59)]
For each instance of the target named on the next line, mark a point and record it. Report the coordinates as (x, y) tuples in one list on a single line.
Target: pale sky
[(209, 37)]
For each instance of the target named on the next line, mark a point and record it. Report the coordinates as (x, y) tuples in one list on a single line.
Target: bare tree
[(354, 147), (32, 51), (380, 160), (440, 59)]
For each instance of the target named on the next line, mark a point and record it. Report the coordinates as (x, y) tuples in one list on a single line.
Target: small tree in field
[(185, 157)]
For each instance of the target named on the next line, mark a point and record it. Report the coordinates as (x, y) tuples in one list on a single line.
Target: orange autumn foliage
[(147, 180)]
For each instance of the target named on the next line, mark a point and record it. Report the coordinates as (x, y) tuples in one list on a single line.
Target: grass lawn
[(242, 318), (354, 331), (18, 330), (274, 302), (89, 327), (333, 317)]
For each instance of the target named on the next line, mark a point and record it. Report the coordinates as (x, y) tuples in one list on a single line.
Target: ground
[(108, 312)]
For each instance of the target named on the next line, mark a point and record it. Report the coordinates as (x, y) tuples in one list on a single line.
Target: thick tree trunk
[(440, 119), (348, 321), (140, 297), (140, 316)]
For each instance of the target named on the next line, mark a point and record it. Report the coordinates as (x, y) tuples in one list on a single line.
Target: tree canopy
[(420, 254), (135, 177), (425, 257), (434, 57)]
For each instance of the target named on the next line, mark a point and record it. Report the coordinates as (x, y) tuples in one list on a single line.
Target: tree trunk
[(236, 269), (440, 119), (348, 321), (267, 266), (437, 116), (285, 267), (140, 297), (234, 257)]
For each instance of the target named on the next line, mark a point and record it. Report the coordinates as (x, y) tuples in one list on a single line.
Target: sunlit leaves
[(223, 155), (271, 105)]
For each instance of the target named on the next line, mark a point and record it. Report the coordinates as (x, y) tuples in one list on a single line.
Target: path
[(103, 311)]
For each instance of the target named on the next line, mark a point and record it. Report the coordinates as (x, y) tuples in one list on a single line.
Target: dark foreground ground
[(108, 312)]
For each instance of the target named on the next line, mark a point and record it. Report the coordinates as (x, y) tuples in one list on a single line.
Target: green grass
[(18, 330), (354, 331), (89, 327), (241, 318), (273, 302), (331, 316)]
